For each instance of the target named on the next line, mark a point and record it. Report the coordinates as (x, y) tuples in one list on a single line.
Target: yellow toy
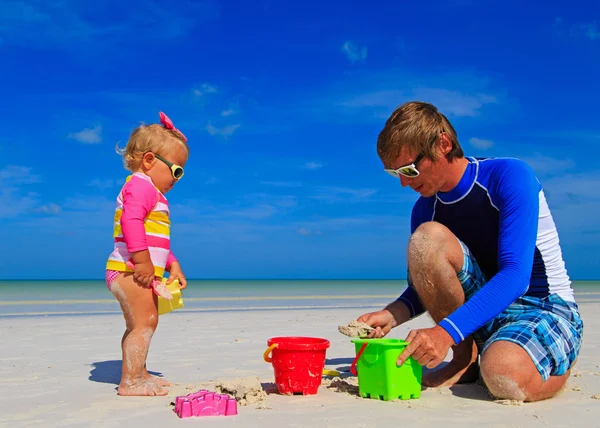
[(165, 306)]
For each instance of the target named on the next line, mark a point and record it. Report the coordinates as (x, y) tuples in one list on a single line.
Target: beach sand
[(63, 371)]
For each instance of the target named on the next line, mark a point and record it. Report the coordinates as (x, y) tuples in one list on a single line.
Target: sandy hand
[(355, 329)]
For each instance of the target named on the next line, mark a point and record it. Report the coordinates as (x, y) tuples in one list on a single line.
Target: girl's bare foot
[(141, 387)]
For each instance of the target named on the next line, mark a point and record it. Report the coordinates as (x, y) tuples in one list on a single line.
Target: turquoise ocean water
[(59, 298)]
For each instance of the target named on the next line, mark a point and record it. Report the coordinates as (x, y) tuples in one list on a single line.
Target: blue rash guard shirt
[(499, 211)]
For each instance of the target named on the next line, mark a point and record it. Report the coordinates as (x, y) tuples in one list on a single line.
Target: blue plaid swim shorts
[(549, 328)]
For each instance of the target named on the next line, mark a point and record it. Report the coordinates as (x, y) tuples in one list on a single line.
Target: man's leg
[(529, 358), (509, 373), (435, 258)]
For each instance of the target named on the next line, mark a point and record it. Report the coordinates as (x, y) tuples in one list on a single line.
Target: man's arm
[(515, 192), (411, 300)]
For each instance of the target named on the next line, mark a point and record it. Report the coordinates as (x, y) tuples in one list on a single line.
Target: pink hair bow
[(164, 119)]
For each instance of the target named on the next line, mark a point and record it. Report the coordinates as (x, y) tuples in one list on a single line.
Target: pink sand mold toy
[(205, 403)]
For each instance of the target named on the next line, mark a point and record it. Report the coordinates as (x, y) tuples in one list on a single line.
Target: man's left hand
[(428, 346), (175, 273)]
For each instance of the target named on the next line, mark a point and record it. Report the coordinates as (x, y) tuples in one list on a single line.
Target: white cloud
[(545, 165), (480, 143), (308, 232), (228, 112), (205, 88), (574, 202), (224, 131), (568, 188), (353, 52), (14, 199), (312, 165), (454, 94), (282, 183), (88, 135), (343, 194), (50, 208), (453, 102), (102, 184), (72, 24), (12, 175), (255, 213), (587, 29)]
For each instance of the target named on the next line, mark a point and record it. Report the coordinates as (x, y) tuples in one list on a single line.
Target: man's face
[(432, 174)]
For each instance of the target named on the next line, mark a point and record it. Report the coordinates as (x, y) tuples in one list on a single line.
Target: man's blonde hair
[(416, 126), (153, 138)]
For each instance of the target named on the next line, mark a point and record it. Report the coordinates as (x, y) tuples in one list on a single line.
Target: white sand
[(63, 371)]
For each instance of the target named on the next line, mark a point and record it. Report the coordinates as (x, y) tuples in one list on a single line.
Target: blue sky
[(282, 103)]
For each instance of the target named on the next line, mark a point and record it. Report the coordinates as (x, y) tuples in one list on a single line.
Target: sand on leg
[(435, 257), (156, 379), (139, 306), (509, 373)]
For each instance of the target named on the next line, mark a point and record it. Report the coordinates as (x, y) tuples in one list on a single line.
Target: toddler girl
[(156, 155)]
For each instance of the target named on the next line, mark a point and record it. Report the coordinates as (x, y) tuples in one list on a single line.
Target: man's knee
[(433, 239), (506, 369), (509, 373)]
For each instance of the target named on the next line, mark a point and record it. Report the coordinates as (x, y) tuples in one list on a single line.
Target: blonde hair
[(153, 138), (416, 126)]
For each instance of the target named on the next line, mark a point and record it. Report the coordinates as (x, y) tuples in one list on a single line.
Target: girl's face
[(165, 170)]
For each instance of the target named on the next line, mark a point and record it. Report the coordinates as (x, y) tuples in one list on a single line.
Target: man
[(484, 261)]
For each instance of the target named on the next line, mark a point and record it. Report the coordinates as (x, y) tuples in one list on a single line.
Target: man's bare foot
[(462, 369), (141, 387), (453, 373)]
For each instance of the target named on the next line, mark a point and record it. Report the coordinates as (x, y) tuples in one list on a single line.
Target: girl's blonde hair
[(153, 138)]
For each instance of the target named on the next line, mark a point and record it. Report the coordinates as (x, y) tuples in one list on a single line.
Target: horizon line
[(248, 279)]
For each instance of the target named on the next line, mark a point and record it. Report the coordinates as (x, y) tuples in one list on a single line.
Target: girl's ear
[(148, 160)]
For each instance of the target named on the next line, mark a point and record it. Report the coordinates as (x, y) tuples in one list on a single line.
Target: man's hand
[(382, 321), (394, 314), (175, 273), (428, 346)]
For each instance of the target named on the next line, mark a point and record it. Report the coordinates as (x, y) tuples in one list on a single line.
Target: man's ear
[(444, 144)]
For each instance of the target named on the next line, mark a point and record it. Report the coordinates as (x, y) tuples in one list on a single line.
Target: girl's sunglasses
[(176, 170)]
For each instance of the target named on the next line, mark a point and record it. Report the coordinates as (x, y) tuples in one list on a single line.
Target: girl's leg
[(158, 380), (139, 305)]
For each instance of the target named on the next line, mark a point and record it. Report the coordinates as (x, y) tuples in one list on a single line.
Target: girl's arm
[(139, 197)]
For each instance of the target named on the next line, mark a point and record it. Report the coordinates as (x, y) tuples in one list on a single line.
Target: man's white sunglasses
[(409, 171)]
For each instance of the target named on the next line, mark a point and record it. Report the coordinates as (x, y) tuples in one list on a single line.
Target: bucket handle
[(268, 351), (358, 354)]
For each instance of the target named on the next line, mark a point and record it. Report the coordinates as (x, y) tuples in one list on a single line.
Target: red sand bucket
[(298, 363)]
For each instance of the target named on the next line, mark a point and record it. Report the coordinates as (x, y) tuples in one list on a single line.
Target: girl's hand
[(175, 273), (144, 273), (143, 269)]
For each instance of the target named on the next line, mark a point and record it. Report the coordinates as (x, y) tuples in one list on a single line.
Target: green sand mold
[(378, 375)]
